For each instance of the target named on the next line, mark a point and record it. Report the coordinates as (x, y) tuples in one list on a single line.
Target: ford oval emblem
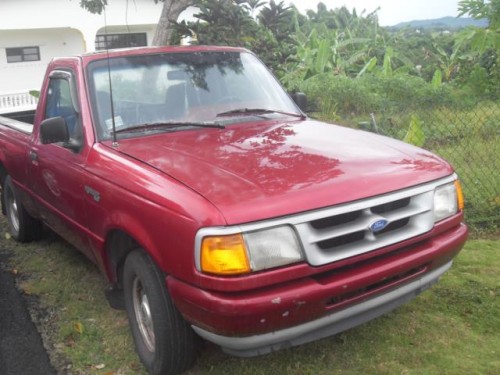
[(379, 225)]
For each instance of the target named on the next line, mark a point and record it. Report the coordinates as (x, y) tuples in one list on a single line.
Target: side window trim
[(65, 104), (68, 76)]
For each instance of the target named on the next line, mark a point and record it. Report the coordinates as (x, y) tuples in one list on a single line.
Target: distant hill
[(448, 23)]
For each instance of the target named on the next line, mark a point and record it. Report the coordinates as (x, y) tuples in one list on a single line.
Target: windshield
[(182, 88)]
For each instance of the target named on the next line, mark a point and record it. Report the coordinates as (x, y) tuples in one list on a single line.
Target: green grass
[(451, 329)]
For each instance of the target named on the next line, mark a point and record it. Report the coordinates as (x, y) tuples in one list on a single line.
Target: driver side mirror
[(54, 130)]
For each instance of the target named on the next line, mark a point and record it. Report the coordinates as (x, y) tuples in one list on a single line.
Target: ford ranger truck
[(216, 208)]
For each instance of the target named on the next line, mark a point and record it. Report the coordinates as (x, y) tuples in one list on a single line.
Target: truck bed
[(16, 122)]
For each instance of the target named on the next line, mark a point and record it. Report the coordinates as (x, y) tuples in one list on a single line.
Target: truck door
[(57, 172)]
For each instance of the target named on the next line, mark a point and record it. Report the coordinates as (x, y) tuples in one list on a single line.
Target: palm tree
[(225, 22), (275, 16)]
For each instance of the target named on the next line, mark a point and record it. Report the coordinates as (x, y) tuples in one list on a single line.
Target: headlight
[(251, 251), (448, 200), (272, 248)]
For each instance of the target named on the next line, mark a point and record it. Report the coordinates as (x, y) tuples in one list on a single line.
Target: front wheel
[(164, 341), (23, 227)]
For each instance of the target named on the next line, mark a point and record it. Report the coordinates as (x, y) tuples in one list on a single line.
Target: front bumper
[(264, 319), (325, 326)]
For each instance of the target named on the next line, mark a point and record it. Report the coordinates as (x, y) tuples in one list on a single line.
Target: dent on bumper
[(326, 326)]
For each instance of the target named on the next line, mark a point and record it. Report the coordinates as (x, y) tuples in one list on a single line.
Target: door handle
[(33, 157)]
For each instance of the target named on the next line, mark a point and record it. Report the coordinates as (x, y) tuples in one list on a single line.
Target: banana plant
[(489, 37), (330, 52)]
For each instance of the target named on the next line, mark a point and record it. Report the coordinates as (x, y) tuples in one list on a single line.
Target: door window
[(60, 103)]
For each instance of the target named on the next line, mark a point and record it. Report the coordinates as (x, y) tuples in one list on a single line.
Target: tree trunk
[(169, 14)]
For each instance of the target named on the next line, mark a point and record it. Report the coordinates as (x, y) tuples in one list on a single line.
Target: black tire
[(23, 227), (164, 341)]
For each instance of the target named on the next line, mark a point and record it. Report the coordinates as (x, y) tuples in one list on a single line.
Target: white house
[(32, 32)]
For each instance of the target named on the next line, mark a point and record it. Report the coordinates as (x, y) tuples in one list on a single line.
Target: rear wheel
[(165, 342), (23, 227)]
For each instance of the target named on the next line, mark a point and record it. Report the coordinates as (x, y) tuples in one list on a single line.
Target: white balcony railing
[(17, 102)]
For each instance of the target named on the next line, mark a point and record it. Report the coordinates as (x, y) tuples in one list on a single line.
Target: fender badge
[(93, 193), (379, 225)]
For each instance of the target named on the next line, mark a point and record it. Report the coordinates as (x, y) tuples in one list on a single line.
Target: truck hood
[(255, 171)]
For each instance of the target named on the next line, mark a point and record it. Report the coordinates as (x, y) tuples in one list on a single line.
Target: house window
[(21, 54), (110, 41)]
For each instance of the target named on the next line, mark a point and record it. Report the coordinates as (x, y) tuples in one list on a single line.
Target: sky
[(391, 11)]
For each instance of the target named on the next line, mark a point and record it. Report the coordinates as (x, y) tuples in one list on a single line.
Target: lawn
[(451, 329)]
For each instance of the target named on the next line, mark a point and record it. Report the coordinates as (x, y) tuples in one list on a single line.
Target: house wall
[(40, 14), (61, 28), (25, 76)]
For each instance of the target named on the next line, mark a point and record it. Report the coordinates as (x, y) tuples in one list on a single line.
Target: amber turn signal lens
[(460, 195), (224, 255)]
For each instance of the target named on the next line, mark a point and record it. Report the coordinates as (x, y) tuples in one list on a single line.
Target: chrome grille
[(344, 231)]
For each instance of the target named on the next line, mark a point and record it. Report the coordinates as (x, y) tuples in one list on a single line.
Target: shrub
[(375, 93), (349, 96)]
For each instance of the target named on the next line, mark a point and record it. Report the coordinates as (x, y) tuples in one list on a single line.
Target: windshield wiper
[(257, 111), (172, 124)]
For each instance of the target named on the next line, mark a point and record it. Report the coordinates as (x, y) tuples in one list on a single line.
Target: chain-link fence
[(467, 138)]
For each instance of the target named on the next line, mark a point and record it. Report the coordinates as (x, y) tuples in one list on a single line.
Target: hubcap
[(143, 314)]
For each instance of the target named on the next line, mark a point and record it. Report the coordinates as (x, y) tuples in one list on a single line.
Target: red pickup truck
[(216, 208)]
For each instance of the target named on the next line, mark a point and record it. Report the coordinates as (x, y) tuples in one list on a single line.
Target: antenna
[(112, 107)]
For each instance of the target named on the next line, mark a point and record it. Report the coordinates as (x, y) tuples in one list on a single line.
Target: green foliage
[(349, 97), (276, 18), (35, 93), (228, 22), (478, 82), (94, 6), (369, 66), (450, 59), (483, 39), (253, 5), (387, 94), (222, 22), (480, 9), (326, 50), (437, 79), (344, 20), (415, 134), (403, 93), (279, 23), (336, 41)]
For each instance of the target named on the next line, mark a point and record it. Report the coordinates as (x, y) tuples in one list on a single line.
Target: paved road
[(21, 349)]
